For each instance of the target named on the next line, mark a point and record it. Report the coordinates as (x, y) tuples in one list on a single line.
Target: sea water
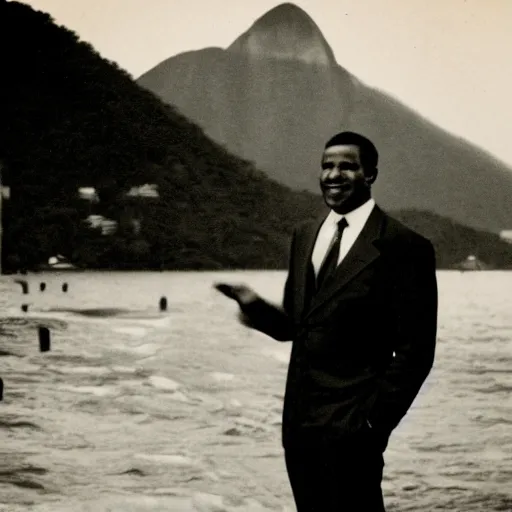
[(181, 411)]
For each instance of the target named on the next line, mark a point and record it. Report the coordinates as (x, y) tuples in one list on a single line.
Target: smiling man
[(360, 307)]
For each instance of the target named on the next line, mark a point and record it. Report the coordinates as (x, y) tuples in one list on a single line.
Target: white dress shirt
[(356, 220)]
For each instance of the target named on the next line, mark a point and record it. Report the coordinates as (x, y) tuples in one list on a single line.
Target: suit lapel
[(304, 255), (361, 254)]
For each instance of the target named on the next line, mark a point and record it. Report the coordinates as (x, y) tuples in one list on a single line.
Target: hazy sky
[(448, 59)]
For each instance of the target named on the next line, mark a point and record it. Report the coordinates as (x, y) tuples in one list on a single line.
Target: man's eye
[(342, 166)]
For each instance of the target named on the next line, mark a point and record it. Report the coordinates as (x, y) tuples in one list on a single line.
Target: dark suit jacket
[(364, 343)]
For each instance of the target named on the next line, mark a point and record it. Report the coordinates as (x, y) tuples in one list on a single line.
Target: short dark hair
[(367, 150)]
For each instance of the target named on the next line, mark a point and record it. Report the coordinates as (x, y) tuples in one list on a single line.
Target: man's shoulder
[(306, 225), (396, 232)]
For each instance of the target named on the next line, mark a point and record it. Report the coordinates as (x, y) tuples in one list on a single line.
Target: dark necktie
[(331, 259)]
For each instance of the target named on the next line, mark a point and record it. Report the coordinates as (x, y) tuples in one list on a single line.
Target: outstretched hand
[(242, 294), (256, 313), (239, 292)]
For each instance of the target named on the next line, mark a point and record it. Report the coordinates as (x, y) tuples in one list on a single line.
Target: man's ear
[(370, 179)]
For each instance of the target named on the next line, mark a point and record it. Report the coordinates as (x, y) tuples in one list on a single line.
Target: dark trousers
[(336, 475)]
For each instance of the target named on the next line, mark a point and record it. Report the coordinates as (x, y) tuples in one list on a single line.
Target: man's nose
[(336, 172)]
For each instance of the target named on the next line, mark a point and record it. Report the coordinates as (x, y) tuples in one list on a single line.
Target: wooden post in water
[(163, 304), (44, 339), (1, 224), (1, 390), (24, 285)]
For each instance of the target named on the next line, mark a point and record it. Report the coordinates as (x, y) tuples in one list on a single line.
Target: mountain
[(277, 94), (286, 33), (72, 119)]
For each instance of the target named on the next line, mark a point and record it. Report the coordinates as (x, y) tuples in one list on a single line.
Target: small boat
[(57, 263), (472, 263)]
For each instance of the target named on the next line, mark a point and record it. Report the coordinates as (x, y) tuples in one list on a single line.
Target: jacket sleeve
[(274, 321), (413, 310)]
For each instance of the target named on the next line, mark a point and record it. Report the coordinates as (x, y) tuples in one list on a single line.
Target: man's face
[(342, 179)]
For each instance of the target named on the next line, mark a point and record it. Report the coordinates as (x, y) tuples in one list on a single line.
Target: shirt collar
[(354, 218)]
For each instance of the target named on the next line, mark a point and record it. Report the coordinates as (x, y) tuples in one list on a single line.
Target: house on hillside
[(506, 235), (131, 210), (89, 194), (148, 190), (107, 226)]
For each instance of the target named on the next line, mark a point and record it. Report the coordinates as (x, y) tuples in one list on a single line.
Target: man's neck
[(347, 208)]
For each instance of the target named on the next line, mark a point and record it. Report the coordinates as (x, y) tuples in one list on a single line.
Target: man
[(362, 314)]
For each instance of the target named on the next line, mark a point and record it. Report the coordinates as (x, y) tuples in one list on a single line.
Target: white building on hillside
[(88, 193), (147, 190), (506, 235)]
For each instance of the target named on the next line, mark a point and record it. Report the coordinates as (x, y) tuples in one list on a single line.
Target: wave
[(11, 425), (128, 321)]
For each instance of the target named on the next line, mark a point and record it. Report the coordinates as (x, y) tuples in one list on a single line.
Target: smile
[(344, 186)]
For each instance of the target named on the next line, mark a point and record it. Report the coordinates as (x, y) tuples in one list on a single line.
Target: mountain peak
[(285, 32), (285, 13)]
